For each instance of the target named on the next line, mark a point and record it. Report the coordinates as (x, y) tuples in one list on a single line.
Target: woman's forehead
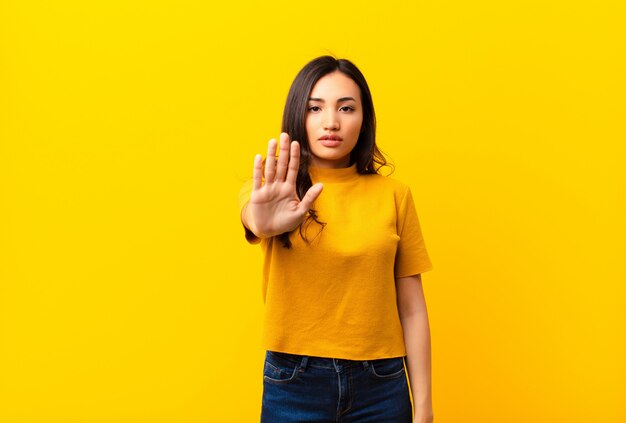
[(335, 86)]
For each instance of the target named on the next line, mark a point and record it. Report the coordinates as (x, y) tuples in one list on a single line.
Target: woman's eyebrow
[(338, 101)]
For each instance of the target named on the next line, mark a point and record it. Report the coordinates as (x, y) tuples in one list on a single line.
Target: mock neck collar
[(342, 174)]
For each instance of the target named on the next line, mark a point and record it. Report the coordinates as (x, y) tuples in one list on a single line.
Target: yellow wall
[(127, 292)]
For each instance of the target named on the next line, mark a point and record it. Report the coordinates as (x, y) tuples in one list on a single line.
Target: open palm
[(274, 206)]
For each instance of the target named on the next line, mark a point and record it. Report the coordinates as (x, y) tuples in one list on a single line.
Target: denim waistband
[(325, 362)]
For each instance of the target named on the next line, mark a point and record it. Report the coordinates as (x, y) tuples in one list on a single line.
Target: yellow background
[(128, 293)]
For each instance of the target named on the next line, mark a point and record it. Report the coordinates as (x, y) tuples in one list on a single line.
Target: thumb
[(310, 196)]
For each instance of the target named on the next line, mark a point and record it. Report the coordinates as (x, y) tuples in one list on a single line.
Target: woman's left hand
[(423, 416)]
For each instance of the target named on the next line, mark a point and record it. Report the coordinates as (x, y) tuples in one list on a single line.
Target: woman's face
[(333, 120)]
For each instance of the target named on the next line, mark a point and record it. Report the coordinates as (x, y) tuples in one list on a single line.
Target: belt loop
[(305, 360), (366, 364)]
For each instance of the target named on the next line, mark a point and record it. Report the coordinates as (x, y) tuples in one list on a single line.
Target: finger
[(257, 173), (283, 157), (270, 162), (310, 196), (294, 162)]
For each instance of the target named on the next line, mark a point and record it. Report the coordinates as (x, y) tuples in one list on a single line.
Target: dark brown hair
[(368, 158)]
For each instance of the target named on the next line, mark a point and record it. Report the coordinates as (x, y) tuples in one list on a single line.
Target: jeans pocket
[(279, 369), (387, 368)]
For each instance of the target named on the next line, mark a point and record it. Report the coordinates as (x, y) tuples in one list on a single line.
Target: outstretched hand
[(274, 206)]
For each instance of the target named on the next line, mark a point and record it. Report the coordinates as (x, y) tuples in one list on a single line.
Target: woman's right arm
[(274, 206)]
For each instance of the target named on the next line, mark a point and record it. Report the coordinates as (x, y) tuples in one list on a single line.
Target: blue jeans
[(300, 388)]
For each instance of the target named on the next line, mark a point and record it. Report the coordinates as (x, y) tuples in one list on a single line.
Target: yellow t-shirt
[(336, 296)]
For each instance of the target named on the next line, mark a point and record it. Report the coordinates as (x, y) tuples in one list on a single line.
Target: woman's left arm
[(414, 319)]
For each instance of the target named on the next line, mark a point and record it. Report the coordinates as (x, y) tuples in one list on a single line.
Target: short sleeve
[(411, 255), (244, 197)]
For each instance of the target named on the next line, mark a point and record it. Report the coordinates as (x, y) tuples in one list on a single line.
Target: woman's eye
[(346, 109), (314, 109)]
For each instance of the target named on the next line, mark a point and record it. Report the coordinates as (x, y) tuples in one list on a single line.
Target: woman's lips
[(330, 143), (330, 140)]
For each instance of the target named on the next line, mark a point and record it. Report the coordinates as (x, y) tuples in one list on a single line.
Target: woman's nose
[(331, 121)]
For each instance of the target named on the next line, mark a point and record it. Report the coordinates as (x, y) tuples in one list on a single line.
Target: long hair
[(368, 158)]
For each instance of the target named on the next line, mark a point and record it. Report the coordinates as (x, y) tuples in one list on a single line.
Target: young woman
[(343, 248)]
